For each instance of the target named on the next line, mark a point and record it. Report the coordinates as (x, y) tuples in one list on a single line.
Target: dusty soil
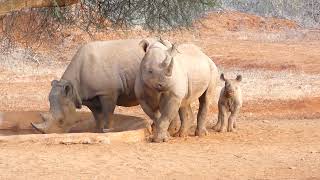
[(278, 137), (275, 149)]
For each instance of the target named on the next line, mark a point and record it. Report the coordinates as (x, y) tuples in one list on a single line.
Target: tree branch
[(7, 6)]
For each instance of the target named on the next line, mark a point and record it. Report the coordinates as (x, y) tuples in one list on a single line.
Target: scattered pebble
[(313, 152)]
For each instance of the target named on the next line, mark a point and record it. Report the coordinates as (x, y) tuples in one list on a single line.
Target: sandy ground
[(276, 149), (278, 136)]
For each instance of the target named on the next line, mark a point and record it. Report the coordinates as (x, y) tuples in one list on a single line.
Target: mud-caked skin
[(100, 76), (230, 102), (170, 79)]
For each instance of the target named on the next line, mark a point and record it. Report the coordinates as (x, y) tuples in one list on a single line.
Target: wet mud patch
[(15, 127)]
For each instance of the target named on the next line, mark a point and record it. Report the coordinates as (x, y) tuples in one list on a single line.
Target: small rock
[(86, 141)]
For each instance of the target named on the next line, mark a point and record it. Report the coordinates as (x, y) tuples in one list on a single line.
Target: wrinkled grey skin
[(230, 101), (170, 79), (100, 76)]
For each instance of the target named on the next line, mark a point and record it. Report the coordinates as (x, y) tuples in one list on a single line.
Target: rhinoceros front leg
[(169, 108), (154, 115), (174, 126), (108, 105), (186, 116), (99, 118), (95, 106)]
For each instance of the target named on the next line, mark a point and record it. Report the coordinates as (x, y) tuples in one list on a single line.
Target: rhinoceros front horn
[(41, 126)]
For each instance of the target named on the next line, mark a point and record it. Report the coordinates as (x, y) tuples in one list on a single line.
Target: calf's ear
[(54, 83), (239, 78), (222, 77), (144, 44)]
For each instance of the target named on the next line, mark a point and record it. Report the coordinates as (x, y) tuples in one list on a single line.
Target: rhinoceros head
[(157, 65), (231, 85), (64, 100)]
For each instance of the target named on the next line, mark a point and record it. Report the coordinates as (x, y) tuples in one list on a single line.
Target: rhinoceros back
[(105, 68)]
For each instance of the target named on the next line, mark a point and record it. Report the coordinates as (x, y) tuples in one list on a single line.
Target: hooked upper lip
[(229, 93), (160, 89)]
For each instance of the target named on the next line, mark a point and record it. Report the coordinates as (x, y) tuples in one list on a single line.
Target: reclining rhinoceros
[(100, 76)]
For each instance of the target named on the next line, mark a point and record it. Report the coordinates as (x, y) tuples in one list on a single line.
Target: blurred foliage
[(30, 27), (305, 12)]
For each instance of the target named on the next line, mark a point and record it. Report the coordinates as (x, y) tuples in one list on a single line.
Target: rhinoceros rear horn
[(170, 68), (173, 50), (165, 42)]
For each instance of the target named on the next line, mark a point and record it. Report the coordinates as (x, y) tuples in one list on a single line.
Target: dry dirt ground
[(278, 137)]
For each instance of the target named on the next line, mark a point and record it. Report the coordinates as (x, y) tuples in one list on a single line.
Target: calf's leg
[(231, 120)]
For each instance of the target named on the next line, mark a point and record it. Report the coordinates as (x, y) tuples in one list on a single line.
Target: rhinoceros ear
[(67, 88), (144, 44), (54, 83), (222, 77), (70, 91)]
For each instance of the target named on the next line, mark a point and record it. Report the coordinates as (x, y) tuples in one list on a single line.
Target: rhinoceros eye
[(150, 71)]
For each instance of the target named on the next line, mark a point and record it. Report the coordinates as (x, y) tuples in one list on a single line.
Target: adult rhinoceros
[(170, 79), (100, 76)]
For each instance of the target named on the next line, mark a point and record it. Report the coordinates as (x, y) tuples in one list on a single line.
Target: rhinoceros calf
[(170, 79), (100, 76), (230, 101)]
